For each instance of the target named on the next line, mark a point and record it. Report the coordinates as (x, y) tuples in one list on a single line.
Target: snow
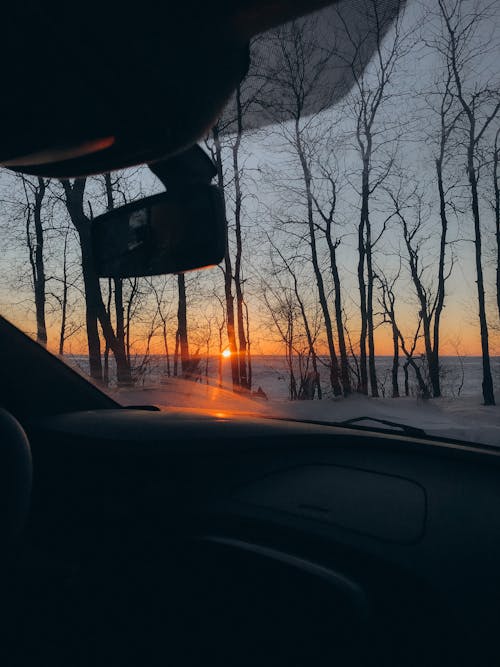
[(459, 414), (462, 418)]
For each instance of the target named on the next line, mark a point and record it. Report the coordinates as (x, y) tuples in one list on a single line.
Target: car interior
[(134, 536)]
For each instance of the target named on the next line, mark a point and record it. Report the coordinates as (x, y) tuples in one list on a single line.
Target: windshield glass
[(359, 162)]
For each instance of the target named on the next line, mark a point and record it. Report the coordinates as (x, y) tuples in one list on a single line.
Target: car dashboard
[(176, 535)]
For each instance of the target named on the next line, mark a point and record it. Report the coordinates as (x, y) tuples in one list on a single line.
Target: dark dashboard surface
[(411, 525)]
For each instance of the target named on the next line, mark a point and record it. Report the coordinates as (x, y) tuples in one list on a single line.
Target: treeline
[(359, 171)]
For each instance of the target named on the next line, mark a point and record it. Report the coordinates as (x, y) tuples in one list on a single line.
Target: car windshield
[(359, 161)]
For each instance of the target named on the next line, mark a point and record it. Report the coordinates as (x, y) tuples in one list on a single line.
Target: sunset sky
[(270, 178)]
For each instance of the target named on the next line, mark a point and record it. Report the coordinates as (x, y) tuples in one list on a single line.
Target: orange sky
[(465, 341)]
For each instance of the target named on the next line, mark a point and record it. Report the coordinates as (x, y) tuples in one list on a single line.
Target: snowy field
[(458, 414)]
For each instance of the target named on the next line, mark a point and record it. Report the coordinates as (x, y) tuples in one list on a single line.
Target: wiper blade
[(407, 430)]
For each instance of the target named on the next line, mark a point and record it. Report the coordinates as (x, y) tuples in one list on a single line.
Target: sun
[(226, 353)]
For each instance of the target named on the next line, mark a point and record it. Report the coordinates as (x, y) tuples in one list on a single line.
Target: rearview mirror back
[(171, 232)]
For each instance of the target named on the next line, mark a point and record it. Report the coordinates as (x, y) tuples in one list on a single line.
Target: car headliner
[(146, 84)]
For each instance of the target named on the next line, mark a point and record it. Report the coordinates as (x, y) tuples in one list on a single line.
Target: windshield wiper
[(407, 430)]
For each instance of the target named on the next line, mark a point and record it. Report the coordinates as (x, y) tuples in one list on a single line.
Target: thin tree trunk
[(41, 326), (496, 190), (407, 379), (93, 340), (344, 363), (369, 313), (332, 247), (182, 328), (365, 239), (176, 354), (334, 368), (219, 360), (105, 372), (487, 384), (305, 320), (395, 363), (249, 351), (433, 362), (363, 371), (64, 299), (95, 308), (123, 372), (228, 277), (409, 360), (242, 354), (128, 320), (454, 51), (165, 345), (293, 381), (36, 257), (310, 342)]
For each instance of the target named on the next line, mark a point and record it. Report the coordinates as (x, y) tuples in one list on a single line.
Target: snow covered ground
[(459, 414), (462, 417)]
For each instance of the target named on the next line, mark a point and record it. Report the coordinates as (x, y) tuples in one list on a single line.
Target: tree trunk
[(363, 371), (369, 311), (95, 308), (165, 345), (487, 384), (407, 379), (176, 354), (344, 363), (91, 310), (249, 351), (41, 328), (228, 277), (36, 257), (310, 342), (242, 354), (123, 372), (64, 299), (182, 328), (454, 51), (395, 362), (496, 207), (289, 350), (433, 362), (334, 368)]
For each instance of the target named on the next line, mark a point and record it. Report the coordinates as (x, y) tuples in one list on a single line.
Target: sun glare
[(226, 353)]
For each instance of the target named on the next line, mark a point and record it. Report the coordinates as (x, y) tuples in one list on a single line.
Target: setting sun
[(226, 353)]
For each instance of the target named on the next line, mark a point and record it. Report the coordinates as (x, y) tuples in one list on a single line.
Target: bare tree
[(243, 352), (371, 91), (227, 270), (159, 296), (282, 309), (327, 213), (480, 104), (310, 336), (448, 118), (496, 210), (182, 326), (116, 282), (34, 191), (66, 329), (302, 66), (409, 211), (95, 309), (388, 303)]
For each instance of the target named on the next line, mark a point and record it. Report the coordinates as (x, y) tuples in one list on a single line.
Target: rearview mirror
[(171, 232)]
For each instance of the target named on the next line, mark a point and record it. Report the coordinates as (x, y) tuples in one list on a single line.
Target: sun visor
[(138, 91), (327, 50)]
